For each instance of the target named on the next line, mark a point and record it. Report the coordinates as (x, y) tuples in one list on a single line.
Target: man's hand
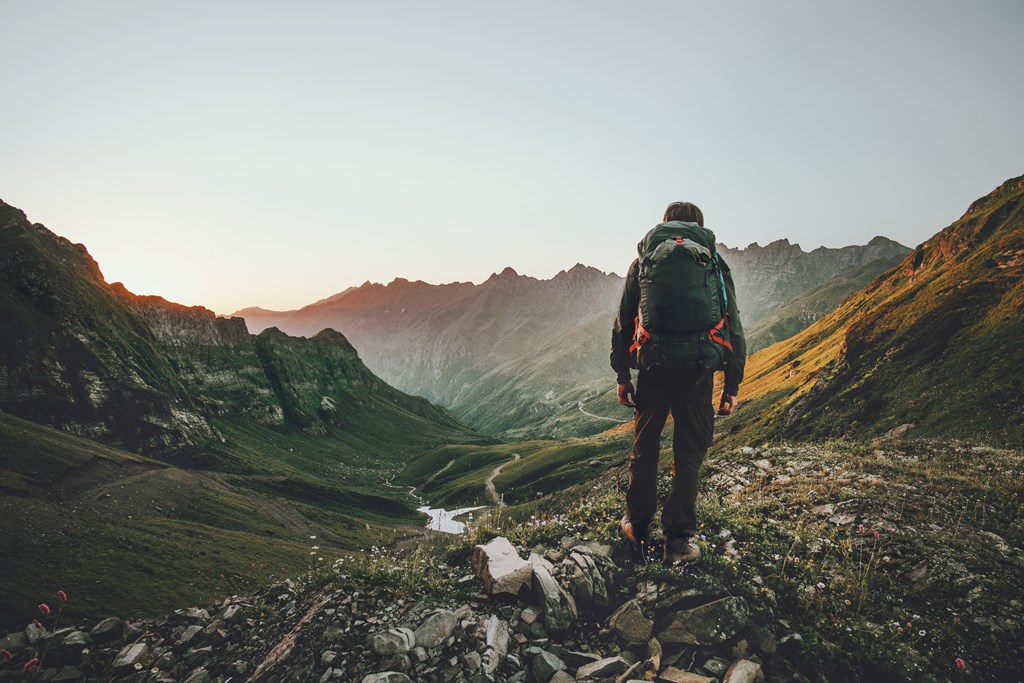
[(627, 395), (726, 405)]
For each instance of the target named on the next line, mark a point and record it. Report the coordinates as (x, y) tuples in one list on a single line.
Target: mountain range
[(519, 357)]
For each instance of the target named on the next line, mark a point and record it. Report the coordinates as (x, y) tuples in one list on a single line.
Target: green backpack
[(682, 319)]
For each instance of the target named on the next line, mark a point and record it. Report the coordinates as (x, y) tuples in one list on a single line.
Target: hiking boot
[(679, 550), (636, 536)]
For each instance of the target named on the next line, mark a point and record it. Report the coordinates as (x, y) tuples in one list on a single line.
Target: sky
[(230, 154)]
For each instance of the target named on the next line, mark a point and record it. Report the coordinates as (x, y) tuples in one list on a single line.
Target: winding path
[(489, 484), (600, 417)]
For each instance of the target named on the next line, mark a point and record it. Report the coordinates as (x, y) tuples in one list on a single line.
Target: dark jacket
[(625, 322)]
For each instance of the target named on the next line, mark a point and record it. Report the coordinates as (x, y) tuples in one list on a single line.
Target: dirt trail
[(436, 474), (492, 493), (599, 417)]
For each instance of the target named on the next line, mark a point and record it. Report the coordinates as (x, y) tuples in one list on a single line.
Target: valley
[(859, 501)]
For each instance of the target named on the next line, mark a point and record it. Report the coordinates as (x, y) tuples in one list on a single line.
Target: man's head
[(684, 211)]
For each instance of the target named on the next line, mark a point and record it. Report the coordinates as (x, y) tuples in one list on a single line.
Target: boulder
[(545, 665), (436, 628), (709, 624), (107, 630), (559, 607), (130, 655), (629, 621), (500, 568), (743, 671), (396, 641)]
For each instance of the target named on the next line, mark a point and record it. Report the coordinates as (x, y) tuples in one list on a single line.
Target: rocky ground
[(890, 561)]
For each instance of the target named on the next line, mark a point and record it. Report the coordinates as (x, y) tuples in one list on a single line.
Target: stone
[(435, 629), (716, 666), (387, 677), (709, 624), (188, 636), (654, 653), (629, 621), (472, 660), (194, 615), (15, 642), (559, 607), (199, 676), (394, 641), (562, 677), (35, 633), (328, 657), (743, 671), (67, 674), (107, 630), (674, 675), (75, 639), (129, 655), (232, 614), (500, 568), (530, 614), (497, 635), (577, 659), (545, 665), (604, 668)]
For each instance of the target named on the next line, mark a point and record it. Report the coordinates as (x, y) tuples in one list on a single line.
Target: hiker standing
[(678, 323)]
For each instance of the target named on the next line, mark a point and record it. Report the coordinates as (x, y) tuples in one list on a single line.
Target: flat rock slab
[(605, 668), (500, 568), (710, 624), (629, 621)]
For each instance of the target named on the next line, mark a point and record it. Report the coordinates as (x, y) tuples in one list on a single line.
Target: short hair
[(684, 211)]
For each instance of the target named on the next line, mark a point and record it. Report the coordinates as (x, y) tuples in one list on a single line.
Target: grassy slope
[(129, 535), (934, 343), (792, 317)]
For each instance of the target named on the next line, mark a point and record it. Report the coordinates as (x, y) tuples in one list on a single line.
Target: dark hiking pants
[(686, 393)]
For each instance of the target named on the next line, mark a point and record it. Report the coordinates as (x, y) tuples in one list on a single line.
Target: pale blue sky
[(252, 153)]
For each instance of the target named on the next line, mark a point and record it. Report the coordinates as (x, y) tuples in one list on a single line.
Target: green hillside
[(153, 454), (935, 343)]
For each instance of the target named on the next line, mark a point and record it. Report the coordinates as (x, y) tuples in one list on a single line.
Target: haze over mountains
[(521, 357)]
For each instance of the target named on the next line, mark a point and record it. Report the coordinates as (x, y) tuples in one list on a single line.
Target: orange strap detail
[(715, 334), (641, 335)]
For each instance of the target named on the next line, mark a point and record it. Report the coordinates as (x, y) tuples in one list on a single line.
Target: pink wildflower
[(6, 654), (961, 664), (909, 625), (860, 528), (63, 596), (875, 533), (30, 664), (899, 629), (38, 624), (44, 608)]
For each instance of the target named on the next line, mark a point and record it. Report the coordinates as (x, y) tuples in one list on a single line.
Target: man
[(678, 323)]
